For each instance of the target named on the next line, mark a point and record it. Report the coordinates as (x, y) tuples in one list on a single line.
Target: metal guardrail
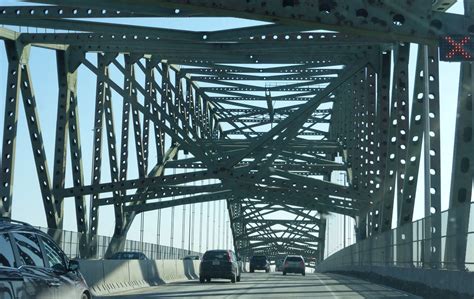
[(414, 246), (70, 246)]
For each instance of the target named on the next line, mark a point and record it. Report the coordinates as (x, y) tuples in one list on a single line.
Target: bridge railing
[(414, 246), (70, 245)]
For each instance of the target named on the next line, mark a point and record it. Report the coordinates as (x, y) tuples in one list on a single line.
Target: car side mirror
[(73, 265)]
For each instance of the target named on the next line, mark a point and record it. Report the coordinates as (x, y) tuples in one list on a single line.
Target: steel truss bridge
[(259, 116)]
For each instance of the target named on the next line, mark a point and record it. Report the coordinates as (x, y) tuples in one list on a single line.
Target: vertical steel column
[(191, 226), (219, 203), (116, 243), (356, 145), (432, 245), (201, 215), (214, 224), (414, 145), (370, 145), (183, 226), (322, 239), (130, 61), (65, 79), (399, 90), (15, 58), (402, 102), (463, 170), (73, 60), (102, 90), (383, 115), (159, 133), (208, 224)]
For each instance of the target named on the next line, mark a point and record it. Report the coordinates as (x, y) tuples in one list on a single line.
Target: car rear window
[(7, 259), (293, 259), (259, 258), (215, 255)]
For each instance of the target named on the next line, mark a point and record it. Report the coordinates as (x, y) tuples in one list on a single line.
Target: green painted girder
[(302, 167), (281, 221), (162, 192), (308, 69), (287, 247), (241, 77), (146, 43), (288, 86), (150, 206), (392, 21), (266, 119), (304, 146), (257, 134), (284, 240), (219, 90), (134, 183), (277, 111), (303, 199), (60, 12), (295, 98), (292, 233), (254, 115)]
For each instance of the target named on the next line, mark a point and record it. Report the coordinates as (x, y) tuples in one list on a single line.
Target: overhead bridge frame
[(255, 116)]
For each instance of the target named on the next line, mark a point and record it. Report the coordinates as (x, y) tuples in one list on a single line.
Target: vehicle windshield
[(215, 255), (293, 259)]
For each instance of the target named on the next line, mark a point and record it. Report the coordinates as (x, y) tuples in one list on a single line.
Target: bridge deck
[(272, 285)]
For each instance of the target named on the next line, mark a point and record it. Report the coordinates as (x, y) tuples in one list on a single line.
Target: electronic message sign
[(456, 48)]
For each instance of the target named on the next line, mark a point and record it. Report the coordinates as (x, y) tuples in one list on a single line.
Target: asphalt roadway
[(271, 285)]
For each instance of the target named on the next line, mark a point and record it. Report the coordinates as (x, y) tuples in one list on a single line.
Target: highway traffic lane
[(271, 285)]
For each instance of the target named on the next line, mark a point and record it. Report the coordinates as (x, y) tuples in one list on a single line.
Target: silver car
[(294, 264)]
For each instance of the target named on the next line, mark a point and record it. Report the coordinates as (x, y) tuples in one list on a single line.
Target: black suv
[(219, 264), (33, 266), (259, 262)]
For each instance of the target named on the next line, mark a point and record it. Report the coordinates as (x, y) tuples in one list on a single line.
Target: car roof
[(11, 226)]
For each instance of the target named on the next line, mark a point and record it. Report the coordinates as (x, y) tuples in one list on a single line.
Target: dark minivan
[(259, 262), (33, 266), (219, 264)]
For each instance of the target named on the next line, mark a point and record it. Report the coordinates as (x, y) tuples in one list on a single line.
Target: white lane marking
[(327, 287)]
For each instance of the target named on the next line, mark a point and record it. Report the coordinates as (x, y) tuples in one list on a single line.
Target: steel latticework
[(258, 116)]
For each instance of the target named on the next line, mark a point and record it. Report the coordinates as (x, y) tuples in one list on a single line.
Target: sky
[(27, 203)]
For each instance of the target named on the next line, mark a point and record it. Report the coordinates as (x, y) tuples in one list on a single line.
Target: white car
[(294, 264)]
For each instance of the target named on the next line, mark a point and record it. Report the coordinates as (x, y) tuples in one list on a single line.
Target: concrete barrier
[(112, 276)]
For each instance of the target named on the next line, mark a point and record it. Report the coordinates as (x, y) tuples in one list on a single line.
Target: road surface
[(271, 285)]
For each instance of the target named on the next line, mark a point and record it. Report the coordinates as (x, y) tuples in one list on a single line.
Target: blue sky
[(27, 203)]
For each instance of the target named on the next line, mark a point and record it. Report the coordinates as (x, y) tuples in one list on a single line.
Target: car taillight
[(302, 264), (286, 264), (228, 257)]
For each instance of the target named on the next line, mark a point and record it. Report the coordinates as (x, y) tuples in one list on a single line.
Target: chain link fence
[(70, 245), (440, 241)]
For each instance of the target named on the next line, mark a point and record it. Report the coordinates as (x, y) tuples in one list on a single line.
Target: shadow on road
[(275, 285)]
